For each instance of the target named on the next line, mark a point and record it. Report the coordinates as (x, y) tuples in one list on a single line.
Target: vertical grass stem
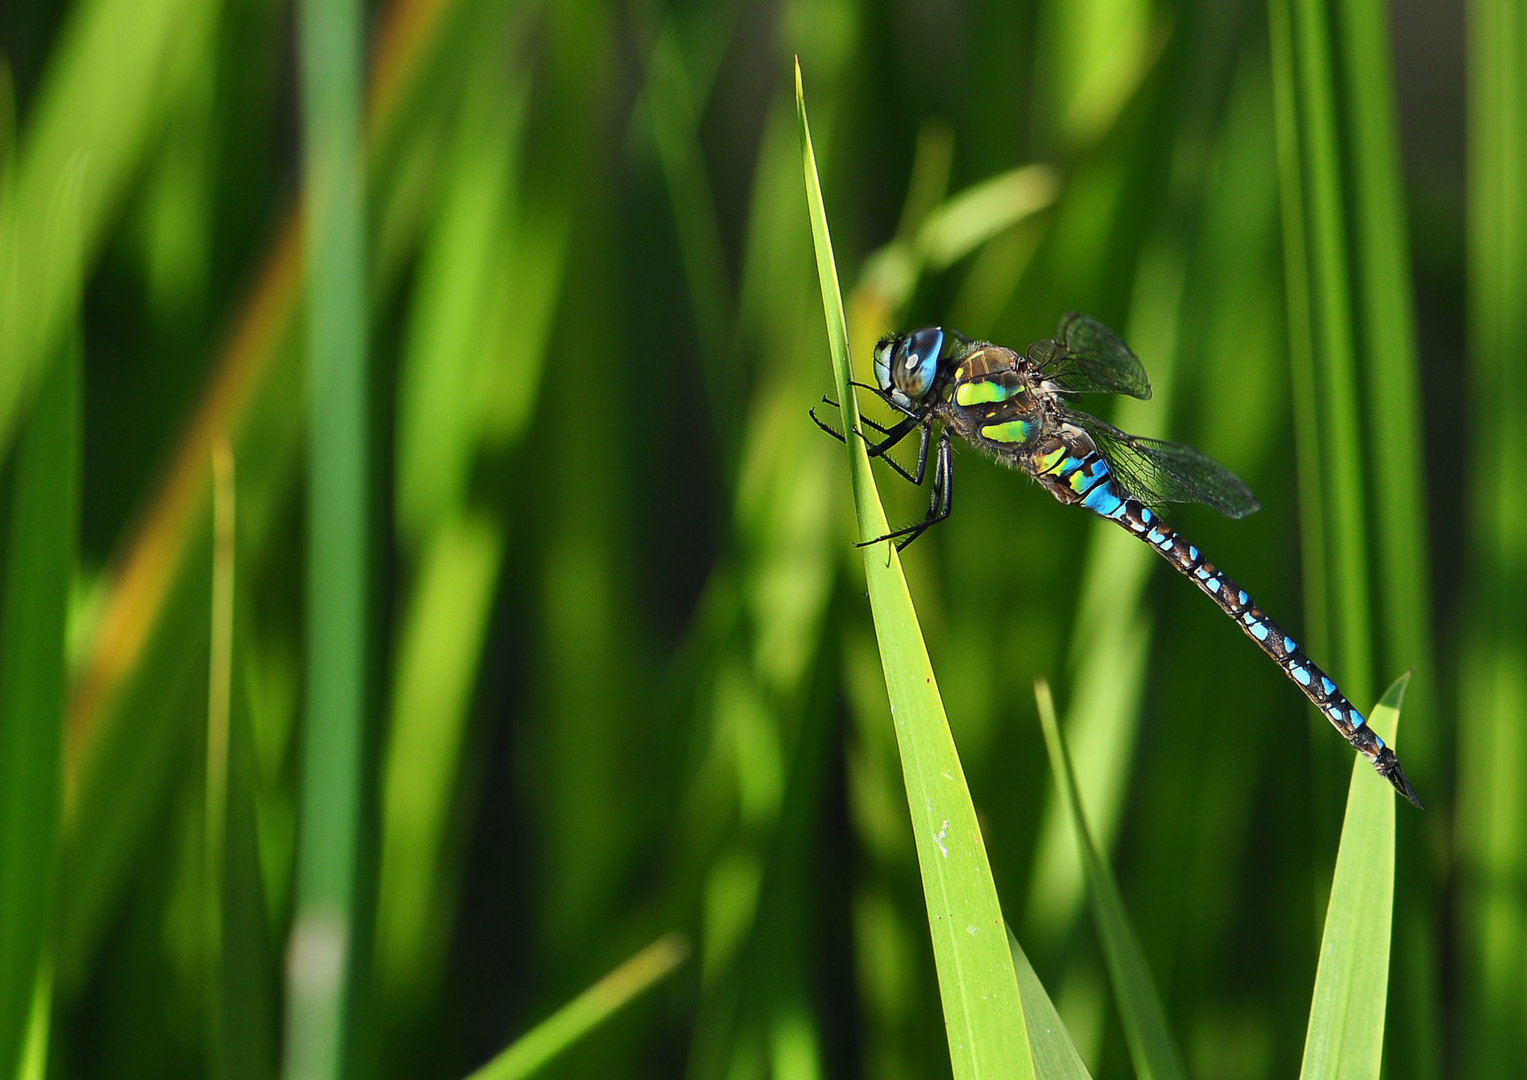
[(322, 936)]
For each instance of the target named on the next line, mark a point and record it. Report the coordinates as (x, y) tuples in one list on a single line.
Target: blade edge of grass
[(1151, 1047), (588, 1010), (985, 1023), (1055, 1055), (1346, 1030)]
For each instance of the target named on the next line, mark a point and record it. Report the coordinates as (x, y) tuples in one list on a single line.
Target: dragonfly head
[(906, 364)]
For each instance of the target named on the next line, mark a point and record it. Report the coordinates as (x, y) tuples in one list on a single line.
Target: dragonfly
[(1015, 407)]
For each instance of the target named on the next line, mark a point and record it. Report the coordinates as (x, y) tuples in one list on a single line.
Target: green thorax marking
[(984, 392), (1013, 431)]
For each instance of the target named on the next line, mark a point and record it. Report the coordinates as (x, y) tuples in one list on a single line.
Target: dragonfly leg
[(893, 436), (863, 419), (940, 504), (818, 421)]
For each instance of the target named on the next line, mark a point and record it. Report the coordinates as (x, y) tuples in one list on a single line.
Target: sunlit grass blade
[(34, 1051), (1055, 1056), (39, 569), (323, 931), (437, 658), (982, 1009), (1346, 1032), (117, 65), (1151, 1046), (538, 1046)]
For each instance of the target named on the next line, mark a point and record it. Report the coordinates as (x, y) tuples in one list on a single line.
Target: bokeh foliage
[(621, 676)]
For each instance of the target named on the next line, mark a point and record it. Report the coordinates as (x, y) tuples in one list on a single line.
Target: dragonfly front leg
[(942, 501), (893, 437), (837, 434)]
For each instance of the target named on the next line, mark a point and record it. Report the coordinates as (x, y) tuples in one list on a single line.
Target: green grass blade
[(534, 1049), (443, 627), (1492, 790), (1390, 364), (982, 1010), (980, 212), (323, 937), (34, 1051), (1340, 466), (1151, 1046), (39, 571), (1346, 1033), (1301, 331), (219, 699), (117, 65), (1055, 1056)]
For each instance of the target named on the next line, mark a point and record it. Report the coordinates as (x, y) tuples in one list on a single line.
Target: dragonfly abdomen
[(1318, 687)]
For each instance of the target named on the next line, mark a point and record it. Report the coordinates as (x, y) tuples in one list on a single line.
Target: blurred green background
[(619, 674)]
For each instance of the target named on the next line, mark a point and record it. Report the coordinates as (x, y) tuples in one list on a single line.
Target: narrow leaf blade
[(1151, 1046), (1346, 1032), (588, 1010), (1055, 1056), (982, 1009)]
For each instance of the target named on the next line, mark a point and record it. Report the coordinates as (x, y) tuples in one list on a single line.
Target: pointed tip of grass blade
[(983, 1008), (1386, 715), (1347, 1009), (1050, 1045), (1394, 697), (569, 1024)]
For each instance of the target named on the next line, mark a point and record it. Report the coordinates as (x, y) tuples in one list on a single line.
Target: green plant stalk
[(1301, 332), (1151, 1046), (1340, 463), (1346, 1032), (1395, 444), (39, 571), (219, 700), (983, 1012), (1389, 360), (321, 951), (538, 1046), (1493, 685)]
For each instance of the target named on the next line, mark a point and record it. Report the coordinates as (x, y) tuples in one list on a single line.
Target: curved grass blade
[(1151, 1046), (982, 1010), (588, 1010), (1055, 1056), (1346, 1032)]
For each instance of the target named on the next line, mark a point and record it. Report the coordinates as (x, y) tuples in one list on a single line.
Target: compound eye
[(883, 363), (916, 362)]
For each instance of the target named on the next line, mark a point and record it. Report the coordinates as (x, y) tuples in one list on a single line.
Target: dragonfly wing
[(1158, 472), (1087, 357)]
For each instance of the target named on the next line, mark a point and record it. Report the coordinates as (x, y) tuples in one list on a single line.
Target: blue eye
[(915, 363)]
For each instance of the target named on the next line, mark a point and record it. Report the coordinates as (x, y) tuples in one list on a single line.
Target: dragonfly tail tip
[(1396, 776)]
